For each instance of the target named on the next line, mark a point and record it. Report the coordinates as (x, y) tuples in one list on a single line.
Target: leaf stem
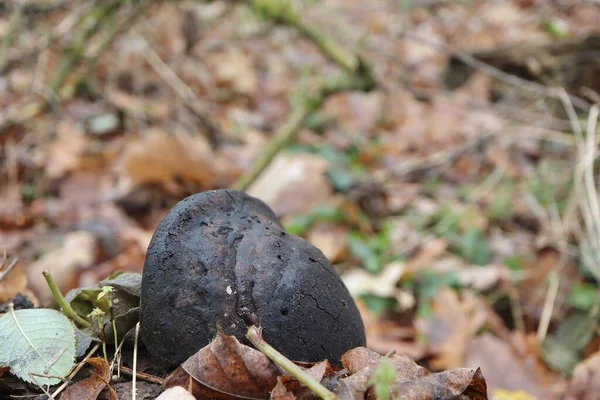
[(66, 307), (254, 335)]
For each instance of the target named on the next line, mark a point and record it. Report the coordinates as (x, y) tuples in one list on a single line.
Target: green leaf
[(378, 304), (341, 178), (474, 247), (515, 263), (328, 214), (583, 296), (564, 349), (299, 225), (36, 344), (363, 252)]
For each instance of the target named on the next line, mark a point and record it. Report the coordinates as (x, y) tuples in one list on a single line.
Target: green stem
[(284, 136), (101, 329), (254, 335), (60, 300), (284, 12)]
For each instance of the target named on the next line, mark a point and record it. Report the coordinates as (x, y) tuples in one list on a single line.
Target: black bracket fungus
[(221, 260)]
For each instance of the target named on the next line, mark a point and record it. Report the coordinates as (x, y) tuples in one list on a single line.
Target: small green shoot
[(382, 379), (97, 314), (107, 292), (378, 305)]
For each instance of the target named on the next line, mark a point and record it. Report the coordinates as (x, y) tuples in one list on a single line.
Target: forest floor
[(457, 197)]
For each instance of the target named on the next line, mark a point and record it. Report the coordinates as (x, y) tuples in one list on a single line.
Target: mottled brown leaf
[(412, 381), (90, 388), (455, 384), (226, 369)]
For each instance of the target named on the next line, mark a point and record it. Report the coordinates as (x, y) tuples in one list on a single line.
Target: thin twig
[(178, 85), (7, 270), (143, 376), (442, 157), (284, 12), (549, 303), (135, 354)]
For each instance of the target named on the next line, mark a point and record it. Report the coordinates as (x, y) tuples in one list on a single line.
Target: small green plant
[(97, 315), (107, 291), (373, 252), (383, 378), (299, 225)]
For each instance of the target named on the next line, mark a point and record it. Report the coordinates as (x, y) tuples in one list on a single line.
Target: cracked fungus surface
[(221, 254)]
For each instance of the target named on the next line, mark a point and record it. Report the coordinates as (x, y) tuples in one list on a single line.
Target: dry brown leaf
[(503, 368), (14, 282), (77, 250), (386, 336), (459, 383), (449, 331), (330, 239), (234, 68), (293, 184), (89, 388), (226, 369), (412, 381), (164, 159), (64, 154)]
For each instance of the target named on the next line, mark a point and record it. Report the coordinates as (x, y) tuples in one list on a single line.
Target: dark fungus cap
[(221, 258)]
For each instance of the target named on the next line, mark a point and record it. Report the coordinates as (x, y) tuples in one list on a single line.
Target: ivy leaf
[(38, 345)]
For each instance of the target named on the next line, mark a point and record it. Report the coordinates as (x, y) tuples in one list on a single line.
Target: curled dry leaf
[(89, 388), (363, 362), (412, 381), (226, 369)]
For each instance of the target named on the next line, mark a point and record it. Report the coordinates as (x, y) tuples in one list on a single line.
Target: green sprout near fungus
[(97, 314), (107, 292)]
